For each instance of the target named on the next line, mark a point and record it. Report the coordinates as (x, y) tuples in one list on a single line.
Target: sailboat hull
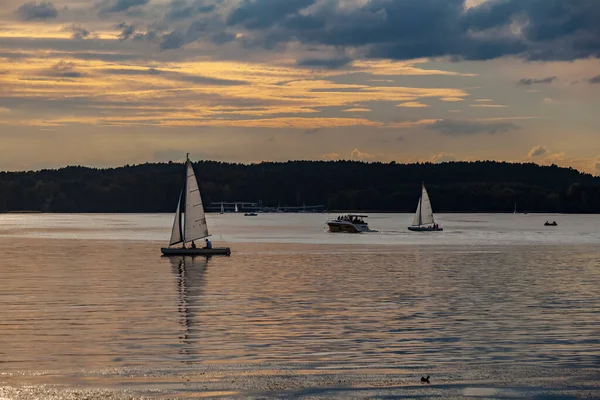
[(424, 229), (173, 251)]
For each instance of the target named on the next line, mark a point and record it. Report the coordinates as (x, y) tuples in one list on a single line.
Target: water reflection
[(190, 273)]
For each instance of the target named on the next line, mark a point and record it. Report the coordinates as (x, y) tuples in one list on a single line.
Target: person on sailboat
[(208, 244), (193, 245)]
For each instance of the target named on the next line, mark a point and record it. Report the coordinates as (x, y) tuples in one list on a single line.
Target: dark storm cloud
[(34, 11), (530, 81), (195, 31), (456, 127), (595, 79), (330, 63), (116, 6), (127, 31), (259, 14), (182, 9), (405, 29)]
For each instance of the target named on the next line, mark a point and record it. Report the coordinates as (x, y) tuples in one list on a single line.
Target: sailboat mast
[(421, 206), (187, 160)]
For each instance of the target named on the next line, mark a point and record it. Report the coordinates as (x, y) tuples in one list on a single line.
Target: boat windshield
[(355, 219)]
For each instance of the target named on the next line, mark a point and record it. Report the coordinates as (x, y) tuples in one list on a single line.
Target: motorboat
[(553, 223), (250, 214), (350, 223)]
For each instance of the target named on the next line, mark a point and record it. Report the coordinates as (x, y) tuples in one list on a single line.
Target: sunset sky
[(113, 82)]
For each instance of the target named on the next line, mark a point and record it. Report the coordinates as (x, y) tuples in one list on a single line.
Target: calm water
[(90, 296)]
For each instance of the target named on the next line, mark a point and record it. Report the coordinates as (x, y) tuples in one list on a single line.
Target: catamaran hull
[(168, 251), (347, 227), (424, 229)]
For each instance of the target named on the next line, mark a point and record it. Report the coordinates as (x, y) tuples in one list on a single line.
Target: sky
[(113, 82)]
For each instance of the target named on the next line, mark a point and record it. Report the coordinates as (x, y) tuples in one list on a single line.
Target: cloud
[(331, 156), (126, 31), (404, 30), (331, 63), (357, 109), (196, 30), (595, 79), (412, 104), (356, 154), (175, 76), (116, 6), (260, 14), (34, 11), (457, 127), (79, 32), (488, 106), (530, 81), (443, 157), (183, 9), (64, 69), (451, 99), (537, 151)]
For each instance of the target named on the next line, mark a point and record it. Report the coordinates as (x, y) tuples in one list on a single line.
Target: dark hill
[(341, 185)]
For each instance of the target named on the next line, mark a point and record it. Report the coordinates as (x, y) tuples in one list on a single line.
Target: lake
[(495, 306)]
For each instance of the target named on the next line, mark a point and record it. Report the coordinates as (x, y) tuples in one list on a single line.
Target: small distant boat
[(236, 209), (423, 220), (351, 223), (222, 209), (250, 214), (190, 220), (553, 223), (515, 211)]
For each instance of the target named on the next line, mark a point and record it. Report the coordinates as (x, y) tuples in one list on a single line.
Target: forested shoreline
[(485, 186)]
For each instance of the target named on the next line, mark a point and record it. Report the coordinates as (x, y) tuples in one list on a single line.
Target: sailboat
[(190, 220), (515, 210), (236, 209), (222, 209), (423, 220)]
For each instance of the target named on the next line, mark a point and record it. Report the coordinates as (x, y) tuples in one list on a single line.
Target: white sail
[(424, 213), (222, 209), (195, 220), (417, 218), (176, 232), (426, 210), (236, 209)]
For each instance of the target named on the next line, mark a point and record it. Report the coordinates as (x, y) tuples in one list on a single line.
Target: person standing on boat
[(208, 244), (193, 245)]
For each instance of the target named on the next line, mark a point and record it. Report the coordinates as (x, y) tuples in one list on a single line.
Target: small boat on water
[(423, 220), (351, 223), (222, 209), (553, 223), (190, 221), (250, 214)]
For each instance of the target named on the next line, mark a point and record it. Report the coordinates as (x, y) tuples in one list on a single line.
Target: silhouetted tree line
[(339, 185)]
